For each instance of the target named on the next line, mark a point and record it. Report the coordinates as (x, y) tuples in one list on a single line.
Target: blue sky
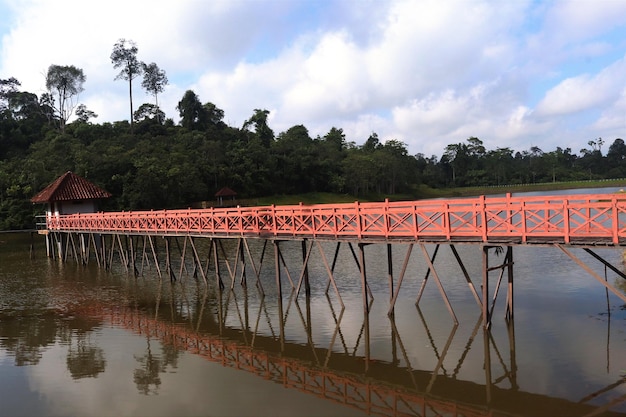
[(429, 73)]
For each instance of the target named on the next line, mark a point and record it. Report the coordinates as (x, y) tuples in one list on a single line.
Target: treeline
[(156, 163)]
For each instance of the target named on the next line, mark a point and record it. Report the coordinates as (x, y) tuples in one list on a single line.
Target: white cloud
[(428, 73), (584, 92)]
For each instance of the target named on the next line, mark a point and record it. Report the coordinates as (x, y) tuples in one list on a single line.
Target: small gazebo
[(225, 193), (70, 194)]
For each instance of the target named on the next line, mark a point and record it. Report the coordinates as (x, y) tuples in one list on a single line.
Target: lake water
[(78, 340)]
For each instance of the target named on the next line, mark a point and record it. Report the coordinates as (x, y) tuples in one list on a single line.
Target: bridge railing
[(555, 218)]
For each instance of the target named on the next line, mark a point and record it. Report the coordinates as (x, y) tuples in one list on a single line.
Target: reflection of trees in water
[(85, 360), (147, 376), (24, 337)]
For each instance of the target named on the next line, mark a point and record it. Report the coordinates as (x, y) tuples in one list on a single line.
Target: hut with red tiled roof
[(70, 194), (225, 193)]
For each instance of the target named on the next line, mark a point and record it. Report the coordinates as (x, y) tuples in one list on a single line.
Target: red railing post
[(386, 218), (615, 220), (274, 226), (509, 214), (415, 221), (447, 229), (566, 225), (483, 213), (357, 216)]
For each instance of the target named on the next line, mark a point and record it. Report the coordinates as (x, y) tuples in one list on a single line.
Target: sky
[(516, 74)]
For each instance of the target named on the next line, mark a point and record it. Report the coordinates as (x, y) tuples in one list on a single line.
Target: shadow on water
[(416, 361)]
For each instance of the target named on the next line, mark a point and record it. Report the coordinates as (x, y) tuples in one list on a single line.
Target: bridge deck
[(590, 219)]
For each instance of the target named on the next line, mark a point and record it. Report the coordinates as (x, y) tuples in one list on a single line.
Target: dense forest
[(152, 162)]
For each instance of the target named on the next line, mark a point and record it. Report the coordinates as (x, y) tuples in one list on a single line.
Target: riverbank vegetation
[(157, 163)]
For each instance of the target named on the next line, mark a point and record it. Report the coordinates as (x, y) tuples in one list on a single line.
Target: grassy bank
[(548, 186), (423, 192)]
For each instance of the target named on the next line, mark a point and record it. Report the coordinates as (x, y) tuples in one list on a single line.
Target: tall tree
[(124, 56), (83, 114), (192, 114), (215, 115), (64, 83), (259, 120), (149, 111), (8, 87), (154, 82)]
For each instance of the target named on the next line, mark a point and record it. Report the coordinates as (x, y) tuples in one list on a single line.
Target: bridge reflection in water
[(242, 330), (244, 315)]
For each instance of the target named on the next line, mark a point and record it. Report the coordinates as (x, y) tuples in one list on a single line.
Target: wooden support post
[(467, 277), (305, 267), (509, 297), (218, 277), (444, 352), (332, 269), (96, 248), (59, 240), (244, 278), (257, 271), (487, 366), (133, 255), (103, 257), (511, 332), (74, 250), (144, 255), (48, 251), (366, 310), (197, 260), (280, 294), (122, 253), (84, 248), (485, 297), (431, 260), (442, 291), (112, 251), (209, 254), (168, 260), (356, 260), (390, 271), (304, 273), (394, 297), (182, 256), (154, 254), (592, 273)]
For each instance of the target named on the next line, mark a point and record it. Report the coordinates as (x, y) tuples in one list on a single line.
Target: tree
[(64, 83), (616, 157), (8, 87), (372, 143), (214, 114), (148, 111), (154, 82), (83, 114), (192, 113), (124, 56), (259, 120)]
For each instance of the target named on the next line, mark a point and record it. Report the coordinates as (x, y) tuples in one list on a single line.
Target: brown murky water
[(81, 341)]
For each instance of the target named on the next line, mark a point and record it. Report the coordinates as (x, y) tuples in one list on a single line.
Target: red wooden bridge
[(589, 219), (585, 221)]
